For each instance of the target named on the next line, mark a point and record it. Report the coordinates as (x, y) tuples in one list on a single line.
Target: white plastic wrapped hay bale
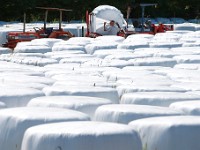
[(191, 34), (186, 50), (76, 43), (167, 41), (136, 41), (124, 56), (122, 89), (185, 26), (95, 62), (187, 58), (38, 86), (109, 38), (5, 57), (133, 46), (20, 78), (145, 68), (76, 77), (87, 105), (195, 44), (2, 105), (35, 61), (144, 82), (138, 37), (15, 121), (165, 44), (13, 96), (28, 59), (67, 66), (124, 113), (117, 74), (189, 39), (154, 61), (187, 66), (46, 41), (165, 133), (115, 63), (166, 70), (80, 40), (187, 107), (102, 92), (156, 98), (102, 53), (67, 47), (53, 72), (77, 70), (65, 54), (36, 46), (81, 135), (45, 61), (94, 70), (155, 52), (28, 48), (184, 75), (85, 84), (55, 54), (91, 48), (19, 71), (77, 59), (194, 92), (167, 37), (187, 85), (39, 55), (137, 77), (197, 27), (5, 50)]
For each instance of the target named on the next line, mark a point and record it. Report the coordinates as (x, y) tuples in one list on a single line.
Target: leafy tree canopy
[(12, 10)]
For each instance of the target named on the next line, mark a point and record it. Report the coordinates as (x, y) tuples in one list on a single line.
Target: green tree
[(12, 10)]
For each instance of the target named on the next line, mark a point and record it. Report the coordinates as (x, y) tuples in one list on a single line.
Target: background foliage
[(12, 10)]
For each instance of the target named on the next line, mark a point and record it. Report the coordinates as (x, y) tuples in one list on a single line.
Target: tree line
[(12, 10)]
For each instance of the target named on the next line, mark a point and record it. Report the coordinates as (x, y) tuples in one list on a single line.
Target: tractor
[(103, 14), (45, 32)]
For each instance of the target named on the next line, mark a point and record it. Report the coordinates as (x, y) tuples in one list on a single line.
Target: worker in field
[(112, 28)]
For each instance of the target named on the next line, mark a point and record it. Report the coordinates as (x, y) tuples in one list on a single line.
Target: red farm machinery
[(105, 13), (45, 32)]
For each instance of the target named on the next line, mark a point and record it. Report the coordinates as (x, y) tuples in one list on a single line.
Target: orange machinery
[(46, 32)]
